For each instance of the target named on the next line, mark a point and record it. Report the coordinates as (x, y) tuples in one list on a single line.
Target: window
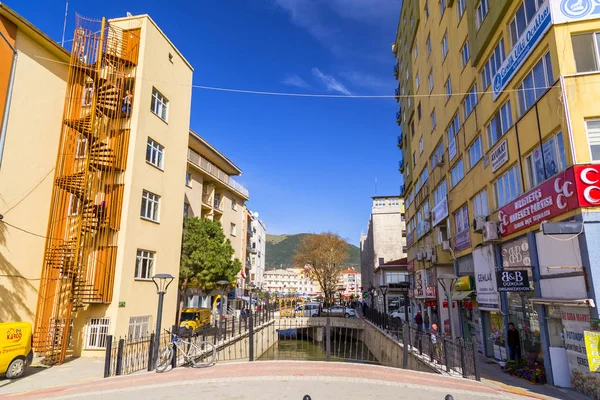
[(480, 204), (439, 151), (440, 192), (416, 50), (424, 175), (470, 101), (414, 159), (523, 17), (431, 81), (419, 111), (139, 326), (507, 187), (445, 45), (81, 151), (394, 280), (188, 179), (457, 173), (412, 128), (453, 128), (97, 331), (233, 204), (475, 152), (233, 229), (421, 145), (593, 134), (74, 205), (150, 206), (426, 9), (88, 94), (551, 154), (417, 81), (433, 120), (144, 264), (448, 87), (159, 104), (428, 45), (186, 210), (460, 8), (535, 84), (493, 64), (586, 48), (461, 219), (465, 55), (481, 11), (154, 153), (500, 123)]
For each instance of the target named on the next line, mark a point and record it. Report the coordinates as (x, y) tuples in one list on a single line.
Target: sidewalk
[(40, 377), (493, 376)]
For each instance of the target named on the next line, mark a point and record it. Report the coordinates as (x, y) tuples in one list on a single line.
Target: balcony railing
[(216, 172), (396, 69), (207, 199), (218, 204), (398, 116)]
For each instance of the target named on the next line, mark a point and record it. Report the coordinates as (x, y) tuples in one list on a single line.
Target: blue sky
[(310, 164)]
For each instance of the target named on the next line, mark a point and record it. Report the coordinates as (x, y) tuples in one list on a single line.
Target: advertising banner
[(516, 253), (440, 211), (513, 281), (499, 155), (564, 11), (575, 321), (592, 340), (485, 276)]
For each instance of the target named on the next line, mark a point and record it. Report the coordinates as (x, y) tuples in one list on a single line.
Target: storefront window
[(525, 318)]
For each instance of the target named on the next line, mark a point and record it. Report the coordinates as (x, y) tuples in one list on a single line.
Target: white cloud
[(295, 80), (368, 81), (330, 83)]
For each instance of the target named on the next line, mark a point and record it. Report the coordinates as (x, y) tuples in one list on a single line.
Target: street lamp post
[(405, 288), (447, 281), (162, 282), (384, 290), (372, 293)]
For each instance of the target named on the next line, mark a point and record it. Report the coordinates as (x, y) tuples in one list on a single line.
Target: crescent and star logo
[(590, 177), (563, 192)]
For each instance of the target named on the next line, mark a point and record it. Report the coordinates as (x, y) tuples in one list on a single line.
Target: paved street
[(286, 380)]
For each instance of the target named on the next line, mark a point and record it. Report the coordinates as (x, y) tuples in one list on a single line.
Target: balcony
[(401, 166), (397, 94), (218, 204), (401, 141), (396, 70), (398, 117), (401, 190), (207, 200), (216, 172)]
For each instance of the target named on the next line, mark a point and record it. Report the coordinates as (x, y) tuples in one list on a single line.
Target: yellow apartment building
[(500, 142), (92, 181)]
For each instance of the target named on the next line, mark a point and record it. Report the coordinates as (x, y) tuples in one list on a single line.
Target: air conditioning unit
[(490, 231), (446, 245), (438, 160), (434, 259), (478, 223), (427, 216), (419, 256)]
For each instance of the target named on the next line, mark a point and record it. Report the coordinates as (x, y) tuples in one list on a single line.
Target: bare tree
[(325, 253)]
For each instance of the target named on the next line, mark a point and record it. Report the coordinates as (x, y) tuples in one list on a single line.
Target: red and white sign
[(578, 186), (411, 266), (554, 197)]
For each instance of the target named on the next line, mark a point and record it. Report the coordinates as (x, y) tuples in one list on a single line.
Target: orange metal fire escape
[(86, 203)]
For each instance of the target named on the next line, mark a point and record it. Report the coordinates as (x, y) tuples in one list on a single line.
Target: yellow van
[(16, 341), (194, 318)]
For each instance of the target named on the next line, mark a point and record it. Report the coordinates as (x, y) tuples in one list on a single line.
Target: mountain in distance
[(280, 251)]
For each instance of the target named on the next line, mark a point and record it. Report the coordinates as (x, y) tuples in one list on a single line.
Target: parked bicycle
[(203, 354)]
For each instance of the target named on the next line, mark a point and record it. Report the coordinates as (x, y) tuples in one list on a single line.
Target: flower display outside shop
[(586, 383), (528, 368)]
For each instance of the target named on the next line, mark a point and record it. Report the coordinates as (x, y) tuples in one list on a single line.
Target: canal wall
[(389, 352), (238, 347)]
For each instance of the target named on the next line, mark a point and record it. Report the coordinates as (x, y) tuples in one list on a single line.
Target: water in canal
[(309, 344)]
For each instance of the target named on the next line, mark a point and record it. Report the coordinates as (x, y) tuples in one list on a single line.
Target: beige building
[(91, 192), (289, 281)]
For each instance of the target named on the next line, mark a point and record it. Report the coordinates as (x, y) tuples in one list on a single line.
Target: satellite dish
[(129, 14), (255, 214)]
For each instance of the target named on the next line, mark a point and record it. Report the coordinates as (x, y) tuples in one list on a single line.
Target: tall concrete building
[(385, 239), (258, 247), (499, 139)]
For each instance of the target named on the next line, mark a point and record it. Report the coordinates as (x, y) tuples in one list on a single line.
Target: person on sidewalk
[(426, 320), (514, 343), (435, 344), (419, 321)]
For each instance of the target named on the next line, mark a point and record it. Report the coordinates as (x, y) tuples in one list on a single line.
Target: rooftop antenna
[(375, 186), (62, 43)]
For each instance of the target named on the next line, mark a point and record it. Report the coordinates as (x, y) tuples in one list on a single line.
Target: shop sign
[(575, 321), (592, 341), (535, 31), (440, 211), (463, 284), (574, 10), (431, 303), (430, 292), (587, 179), (516, 253), (487, 295), (499, 155), (452, 149), (462, 240), (422, 228), (420, 276), (410, 267), (445, 304), (513, 281), (554, 197)]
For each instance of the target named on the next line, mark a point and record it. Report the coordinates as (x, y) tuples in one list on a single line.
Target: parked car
[(16, 354), (339, 311), (307, 310), (194, 318), (400, 313)]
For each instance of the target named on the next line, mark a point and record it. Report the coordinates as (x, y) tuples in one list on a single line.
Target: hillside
[(281, 249)]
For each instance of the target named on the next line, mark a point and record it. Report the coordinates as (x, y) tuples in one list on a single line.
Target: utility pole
[(62, 42)]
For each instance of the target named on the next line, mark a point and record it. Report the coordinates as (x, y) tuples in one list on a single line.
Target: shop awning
[(566, 302), (459, 296)]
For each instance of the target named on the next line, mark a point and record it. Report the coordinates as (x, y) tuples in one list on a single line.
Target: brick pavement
[(341, 374)]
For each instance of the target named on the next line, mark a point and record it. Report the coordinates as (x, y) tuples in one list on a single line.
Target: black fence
[(127, 355), (440, 351)]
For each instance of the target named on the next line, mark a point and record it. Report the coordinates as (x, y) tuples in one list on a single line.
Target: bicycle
[(204, 354)]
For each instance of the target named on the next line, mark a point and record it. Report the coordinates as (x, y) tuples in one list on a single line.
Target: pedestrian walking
[(426, 320), (419, 320), (514, 343), (435, 343)]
